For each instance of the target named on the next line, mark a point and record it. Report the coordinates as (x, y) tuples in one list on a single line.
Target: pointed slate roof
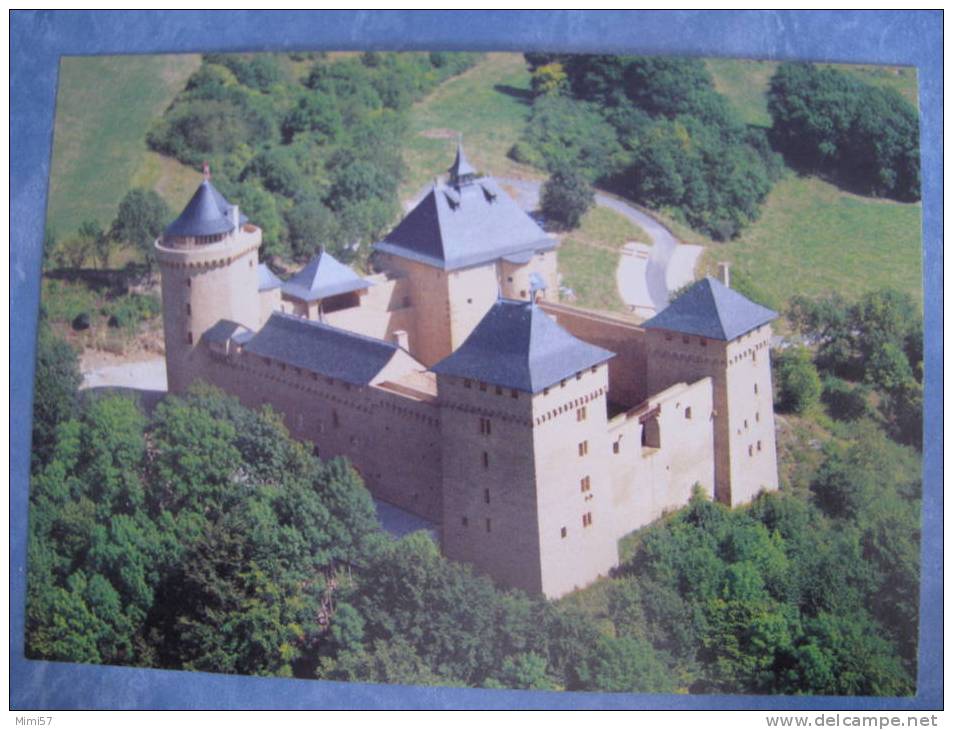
[(710, 309), (267, 280), (324, 276), (321, 348), (461, 166), (207, 214), (454, 228), (517, 345)]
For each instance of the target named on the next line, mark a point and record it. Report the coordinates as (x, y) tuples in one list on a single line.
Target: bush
[(130, 311), (799, 385), (844, 401)]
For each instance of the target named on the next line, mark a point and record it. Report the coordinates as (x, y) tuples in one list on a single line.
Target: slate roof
[(461, 166), (452, 228), (517, 345), (222, 331), (207, 214), (267, 280), (324, 276), (710, 309), (320, 348)]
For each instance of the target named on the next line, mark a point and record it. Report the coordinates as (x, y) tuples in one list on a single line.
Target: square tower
[(714, 331), (527, 493)]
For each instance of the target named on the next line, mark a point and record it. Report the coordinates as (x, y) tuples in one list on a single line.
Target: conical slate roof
[(517, 345), (324, 276), (454, 228), (710, 309), (267, 279), (207, 214), (461, 166)]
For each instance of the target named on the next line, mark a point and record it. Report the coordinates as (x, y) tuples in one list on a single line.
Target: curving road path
[(658, 277)]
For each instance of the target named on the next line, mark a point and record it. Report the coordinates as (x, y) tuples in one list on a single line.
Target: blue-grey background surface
[(38, 39)]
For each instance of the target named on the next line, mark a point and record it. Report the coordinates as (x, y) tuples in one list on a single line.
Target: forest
[(198, 535)]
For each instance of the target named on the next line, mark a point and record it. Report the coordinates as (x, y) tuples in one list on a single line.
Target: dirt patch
[(439, 133)]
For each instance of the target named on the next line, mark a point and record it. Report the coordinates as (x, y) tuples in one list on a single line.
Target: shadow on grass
[(524, 95)]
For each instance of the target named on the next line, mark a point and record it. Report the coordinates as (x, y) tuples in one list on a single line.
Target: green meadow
[(104, 107)]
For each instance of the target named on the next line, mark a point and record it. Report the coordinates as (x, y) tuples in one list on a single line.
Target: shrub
[(799, 385)]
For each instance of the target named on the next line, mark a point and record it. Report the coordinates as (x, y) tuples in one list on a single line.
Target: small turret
[(461, 171)]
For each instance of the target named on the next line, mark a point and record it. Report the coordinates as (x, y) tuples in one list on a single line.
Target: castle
[(533, 434)]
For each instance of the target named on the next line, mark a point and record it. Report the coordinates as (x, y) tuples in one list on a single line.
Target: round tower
[(208, 261)]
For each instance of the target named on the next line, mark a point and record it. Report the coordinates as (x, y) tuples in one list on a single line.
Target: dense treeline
[(202, 537), (314, 160), (828, 121), (869, 352), (653, 128), (656, 130)]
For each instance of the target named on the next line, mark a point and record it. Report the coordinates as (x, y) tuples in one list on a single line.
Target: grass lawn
[(745, 84), (488, 104), (813, 238), (104, 106), (589, 257)]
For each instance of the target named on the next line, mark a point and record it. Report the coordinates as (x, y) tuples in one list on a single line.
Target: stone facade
[(532, 486)]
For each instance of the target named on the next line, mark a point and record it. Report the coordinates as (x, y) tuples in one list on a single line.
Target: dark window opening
[(562, 532), (651, 438)]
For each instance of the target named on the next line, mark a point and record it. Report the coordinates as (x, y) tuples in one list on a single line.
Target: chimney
[(400, 339), (724, 273)]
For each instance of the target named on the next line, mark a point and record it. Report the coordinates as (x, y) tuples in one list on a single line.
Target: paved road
[(663, 242)]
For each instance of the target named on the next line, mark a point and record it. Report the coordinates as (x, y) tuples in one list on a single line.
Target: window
[(688, 413), (703, 342), (562, 383), (750, 451), (759, 446), (562, 532), (651, 435), (545, 391), (488, 524), (746, 424), (467, 384), (594, 368), (334, 419), (685, 339), (668, 336), (469, 301), (499, 390), (755, 388), (486, 496), (250, 264), (486, 460), (587, 519), (406, 301), (616, 446), (514, 393), (188, 338), (188, 282), (509, 279), (584, 448), (757, 417), (188, 309), (584, 485), (483, 387), (522, 294), (485, 426), (581, 414), (579, 376), (464, 521)]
